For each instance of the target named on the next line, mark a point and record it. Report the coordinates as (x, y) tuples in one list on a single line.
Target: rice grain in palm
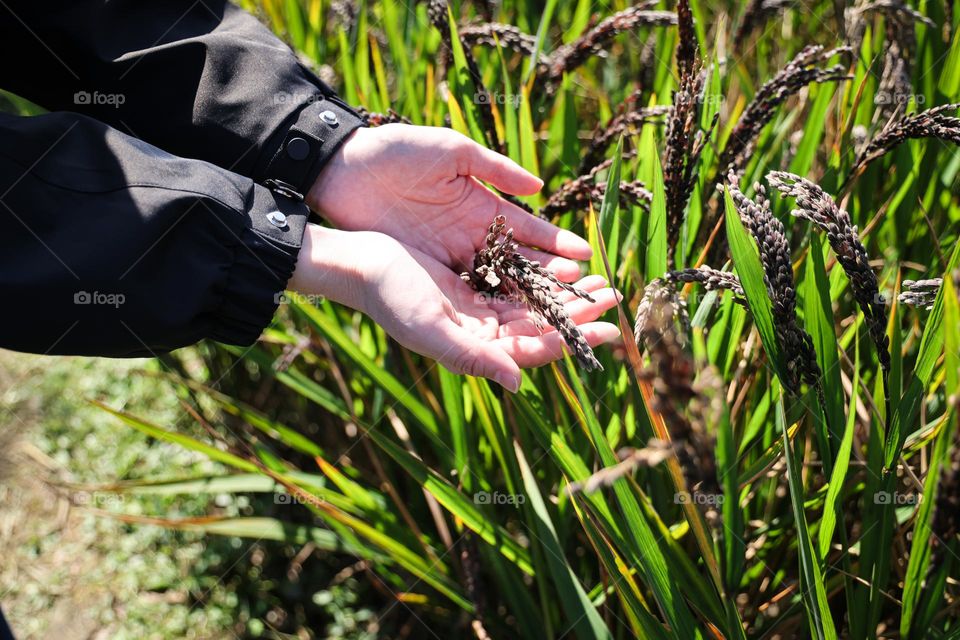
[(498, 268)]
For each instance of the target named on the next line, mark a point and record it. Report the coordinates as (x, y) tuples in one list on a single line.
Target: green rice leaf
[(583, 618)]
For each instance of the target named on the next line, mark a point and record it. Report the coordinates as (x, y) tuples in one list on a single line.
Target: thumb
[(500, 171), (465, 353)]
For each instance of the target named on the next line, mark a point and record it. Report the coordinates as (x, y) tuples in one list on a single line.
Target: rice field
[(770, 451)]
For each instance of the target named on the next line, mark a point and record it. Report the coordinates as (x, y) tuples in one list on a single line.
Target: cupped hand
[(426, 307), (422, 186)]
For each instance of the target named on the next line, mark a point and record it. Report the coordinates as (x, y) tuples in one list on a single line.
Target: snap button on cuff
[(277, 219), (298, 149), (329, 117)]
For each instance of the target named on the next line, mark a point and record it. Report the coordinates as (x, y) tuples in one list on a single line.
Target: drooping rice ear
[(346, 12), (757, 13), (437, 12), (578, 193), (710, 279), (768, 231), (686, 40), (684, 139), (624, 123), (676, 398), (631, 459), (896, 86), (798, 73), (489, 34), (932, 123), (815, 205), (570, 56)]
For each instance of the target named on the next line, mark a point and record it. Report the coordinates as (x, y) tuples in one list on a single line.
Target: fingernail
[(612, 333), (508, 381)]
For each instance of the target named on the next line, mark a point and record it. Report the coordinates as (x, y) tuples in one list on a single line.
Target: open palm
[(426, 307), (421, 185)]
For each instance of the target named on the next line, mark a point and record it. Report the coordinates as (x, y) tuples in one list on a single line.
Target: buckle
[(283, 188)]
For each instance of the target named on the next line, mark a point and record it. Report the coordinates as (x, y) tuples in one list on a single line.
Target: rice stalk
[(499, 269), (945, 524), (818, 207), (932, 123), (768, 231), (473, 583), (438, 14), (798, 73)]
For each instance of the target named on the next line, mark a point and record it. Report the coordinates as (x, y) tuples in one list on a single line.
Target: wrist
[(337, 169), (327, 266)]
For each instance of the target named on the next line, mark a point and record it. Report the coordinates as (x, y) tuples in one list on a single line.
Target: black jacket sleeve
[(199, 79), (110, 246)]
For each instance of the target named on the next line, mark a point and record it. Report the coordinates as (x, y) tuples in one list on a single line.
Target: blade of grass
[(584, 620), (747, 263), (813, 591), (919, 563)]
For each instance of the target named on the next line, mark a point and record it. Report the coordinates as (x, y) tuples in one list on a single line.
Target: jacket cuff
[(264, 261), (301, 148)]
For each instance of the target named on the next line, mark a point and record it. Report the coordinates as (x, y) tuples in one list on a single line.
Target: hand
[(427, 308), (421, 185)]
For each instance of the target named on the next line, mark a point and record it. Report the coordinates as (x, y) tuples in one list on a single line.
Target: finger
[(507, 311), (500, 171), (537, 232), (529, 351), (464, 353), (580, 312), (565, 270)]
